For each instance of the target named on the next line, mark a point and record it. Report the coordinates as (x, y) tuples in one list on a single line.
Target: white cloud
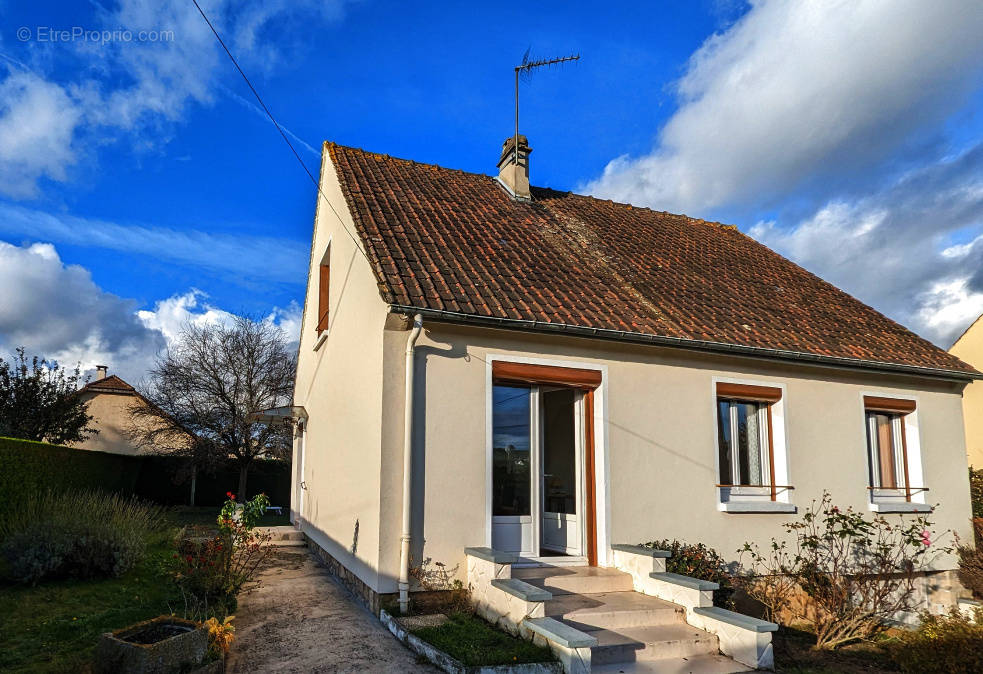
[(238, 257), (896, 249), (799, 92), (57, 311), (138, 87), (37, 127)]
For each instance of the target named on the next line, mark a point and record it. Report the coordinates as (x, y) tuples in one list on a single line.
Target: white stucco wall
[(659, 426), (340, 384)]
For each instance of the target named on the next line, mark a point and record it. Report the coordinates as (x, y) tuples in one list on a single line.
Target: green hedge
[(28, 467)]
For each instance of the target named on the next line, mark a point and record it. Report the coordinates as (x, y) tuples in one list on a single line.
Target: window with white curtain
[(744, 443)]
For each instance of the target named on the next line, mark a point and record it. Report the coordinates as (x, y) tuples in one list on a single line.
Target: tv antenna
[(525, 69)]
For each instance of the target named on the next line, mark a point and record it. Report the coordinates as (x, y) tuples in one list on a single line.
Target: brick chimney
[(101, 371), (515, 176)]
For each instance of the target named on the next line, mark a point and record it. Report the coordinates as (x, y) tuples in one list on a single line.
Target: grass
[(54, 626), (474, 642), (794, 655)]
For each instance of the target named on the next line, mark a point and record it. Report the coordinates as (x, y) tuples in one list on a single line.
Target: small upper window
[(322, 302), (887, 447)]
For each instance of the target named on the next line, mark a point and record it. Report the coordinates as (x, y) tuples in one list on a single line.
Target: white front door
[(536, 470)]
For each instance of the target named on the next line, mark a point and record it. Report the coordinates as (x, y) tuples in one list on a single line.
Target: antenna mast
[(526, 68)]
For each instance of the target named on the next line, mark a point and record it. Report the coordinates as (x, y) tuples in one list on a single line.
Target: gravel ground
[(299, 619)]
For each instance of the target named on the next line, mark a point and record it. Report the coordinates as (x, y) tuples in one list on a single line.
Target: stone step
[(575, 579), (656, 642), (613, 610), (697, 664)]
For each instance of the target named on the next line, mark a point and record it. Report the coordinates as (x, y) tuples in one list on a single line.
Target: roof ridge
[(333, 147)]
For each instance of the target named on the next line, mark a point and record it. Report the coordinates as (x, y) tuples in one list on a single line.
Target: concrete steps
[(652, 642), (613, 610), (699, 664), (633, 632), (284, 536), (575, 579)]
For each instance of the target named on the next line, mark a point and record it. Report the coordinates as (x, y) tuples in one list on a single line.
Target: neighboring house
[(110, 402), (969, 348), (589, 374)]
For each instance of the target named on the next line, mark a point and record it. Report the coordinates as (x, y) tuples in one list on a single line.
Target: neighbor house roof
[(110, 384), (442, 240)]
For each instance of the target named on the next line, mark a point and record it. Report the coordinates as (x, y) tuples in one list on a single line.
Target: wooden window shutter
[(767, 394), (322, 300), (893, 405)]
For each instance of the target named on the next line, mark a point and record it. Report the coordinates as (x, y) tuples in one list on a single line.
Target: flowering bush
[(855, 573), (212, 571), (946, 644), (698, 561)]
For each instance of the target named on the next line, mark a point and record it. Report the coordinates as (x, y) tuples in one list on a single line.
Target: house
[(969, 348), (493, 375), (111, 402)]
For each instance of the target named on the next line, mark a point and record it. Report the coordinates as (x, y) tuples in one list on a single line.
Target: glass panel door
[(514, 465), (561, 478)]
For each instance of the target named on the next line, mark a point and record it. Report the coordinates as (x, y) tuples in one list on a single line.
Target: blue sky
[(141, 187)]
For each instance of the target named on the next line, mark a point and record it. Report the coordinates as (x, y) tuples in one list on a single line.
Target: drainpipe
[(404, 545)]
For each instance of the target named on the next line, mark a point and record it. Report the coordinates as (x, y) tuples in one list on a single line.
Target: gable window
[(891, 469), (322, 297), (746, 449)]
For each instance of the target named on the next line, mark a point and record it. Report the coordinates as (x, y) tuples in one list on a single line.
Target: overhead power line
[(279, 128)]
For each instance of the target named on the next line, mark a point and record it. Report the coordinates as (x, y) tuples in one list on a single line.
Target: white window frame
[(896, 501), (756, 499)]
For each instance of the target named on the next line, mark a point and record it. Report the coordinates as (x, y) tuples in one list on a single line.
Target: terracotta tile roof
[(110, 384), (445, 240)]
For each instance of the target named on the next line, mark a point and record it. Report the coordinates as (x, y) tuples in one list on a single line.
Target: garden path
[(300, 619)]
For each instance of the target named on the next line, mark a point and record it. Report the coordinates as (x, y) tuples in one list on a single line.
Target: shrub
[(946, 644), (971, 561), (78, 534), (976, 491), (211, 572), (855, 573), (698, 561)]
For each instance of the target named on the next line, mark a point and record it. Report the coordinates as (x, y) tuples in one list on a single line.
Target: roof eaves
[(690, 344)]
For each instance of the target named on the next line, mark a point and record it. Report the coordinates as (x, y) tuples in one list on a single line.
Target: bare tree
[(208, 383)]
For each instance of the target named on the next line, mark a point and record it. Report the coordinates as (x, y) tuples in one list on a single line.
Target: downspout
[(404, 545)]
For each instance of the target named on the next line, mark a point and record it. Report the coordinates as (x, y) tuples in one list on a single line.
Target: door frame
[(596, 545)]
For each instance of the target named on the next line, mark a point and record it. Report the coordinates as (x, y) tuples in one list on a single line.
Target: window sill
[(320, 340), (900, 507), (756, 507)]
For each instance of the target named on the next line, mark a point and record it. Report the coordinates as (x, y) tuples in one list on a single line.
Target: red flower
[(230, 495)]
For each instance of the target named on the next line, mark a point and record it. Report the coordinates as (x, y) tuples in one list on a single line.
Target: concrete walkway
[(300, 620)]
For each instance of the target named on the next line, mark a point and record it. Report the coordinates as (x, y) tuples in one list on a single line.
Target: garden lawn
[(472, 641), (54, 626)]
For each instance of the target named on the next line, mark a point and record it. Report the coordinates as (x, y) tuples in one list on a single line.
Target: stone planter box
[(453, 666), (159, 646)]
